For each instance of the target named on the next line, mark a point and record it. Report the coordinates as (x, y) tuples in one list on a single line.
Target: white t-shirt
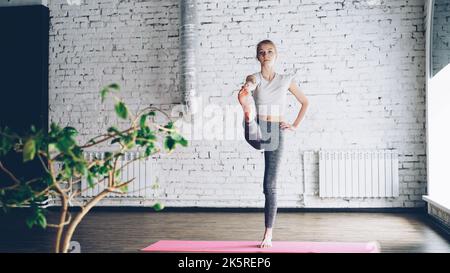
[(270, 96)]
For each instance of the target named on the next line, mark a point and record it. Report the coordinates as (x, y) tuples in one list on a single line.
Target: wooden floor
[(129, 231)]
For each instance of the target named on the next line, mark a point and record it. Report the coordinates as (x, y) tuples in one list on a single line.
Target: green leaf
[(121, 110), (177, 137), (169, 143), (114, 86), (54, 130), (169, 125), (108, 155), (158, 206), (82, 169), (65, 143), (128, 140), (52, 147), (78, 154), (67, 171), (59, 177), (47, 179), (90, 181), (124, 188), (103, 93), (29, 150), (105, 90), (40, 142), (6, 144), (151, 113), (103, 170), (113, 129), (150, 136), (37, 217), (42, 221), (30, 222), (148, 151), (70, 131), (143, 119), (183, 142), (94, 169)]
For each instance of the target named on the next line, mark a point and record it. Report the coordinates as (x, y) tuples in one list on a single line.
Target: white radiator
[(142, 170), (358, 173)]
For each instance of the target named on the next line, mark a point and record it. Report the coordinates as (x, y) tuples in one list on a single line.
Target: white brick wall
[(361, 66), (441, 36)]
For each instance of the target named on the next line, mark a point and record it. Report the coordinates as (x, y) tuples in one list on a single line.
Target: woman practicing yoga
[(264, 122)]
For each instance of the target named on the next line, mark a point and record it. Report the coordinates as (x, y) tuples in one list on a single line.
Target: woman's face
[(267, 54)]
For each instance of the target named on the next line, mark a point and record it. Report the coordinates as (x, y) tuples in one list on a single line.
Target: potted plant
[(64, 165)]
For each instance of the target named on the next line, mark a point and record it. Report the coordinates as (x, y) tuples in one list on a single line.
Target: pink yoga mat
[(253, 246)]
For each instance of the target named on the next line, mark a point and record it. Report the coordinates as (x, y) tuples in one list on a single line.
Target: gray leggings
[(267, 136)]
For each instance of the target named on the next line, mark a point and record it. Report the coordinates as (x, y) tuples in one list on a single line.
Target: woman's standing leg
[(273, 151)]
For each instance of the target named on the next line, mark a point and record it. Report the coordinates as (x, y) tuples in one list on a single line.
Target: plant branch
[(163, 128), (10, 136), (42, 161), (16, 181), (64, 208), (25, 202), (61, 224), (105, 139), (153, 108), (84, 210)]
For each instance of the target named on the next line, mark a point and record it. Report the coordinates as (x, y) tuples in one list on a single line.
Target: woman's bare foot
[(267, 240), (246, 103), (266, 243), (243, 97)]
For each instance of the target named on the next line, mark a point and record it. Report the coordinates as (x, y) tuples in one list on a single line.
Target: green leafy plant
[(60, 148)]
